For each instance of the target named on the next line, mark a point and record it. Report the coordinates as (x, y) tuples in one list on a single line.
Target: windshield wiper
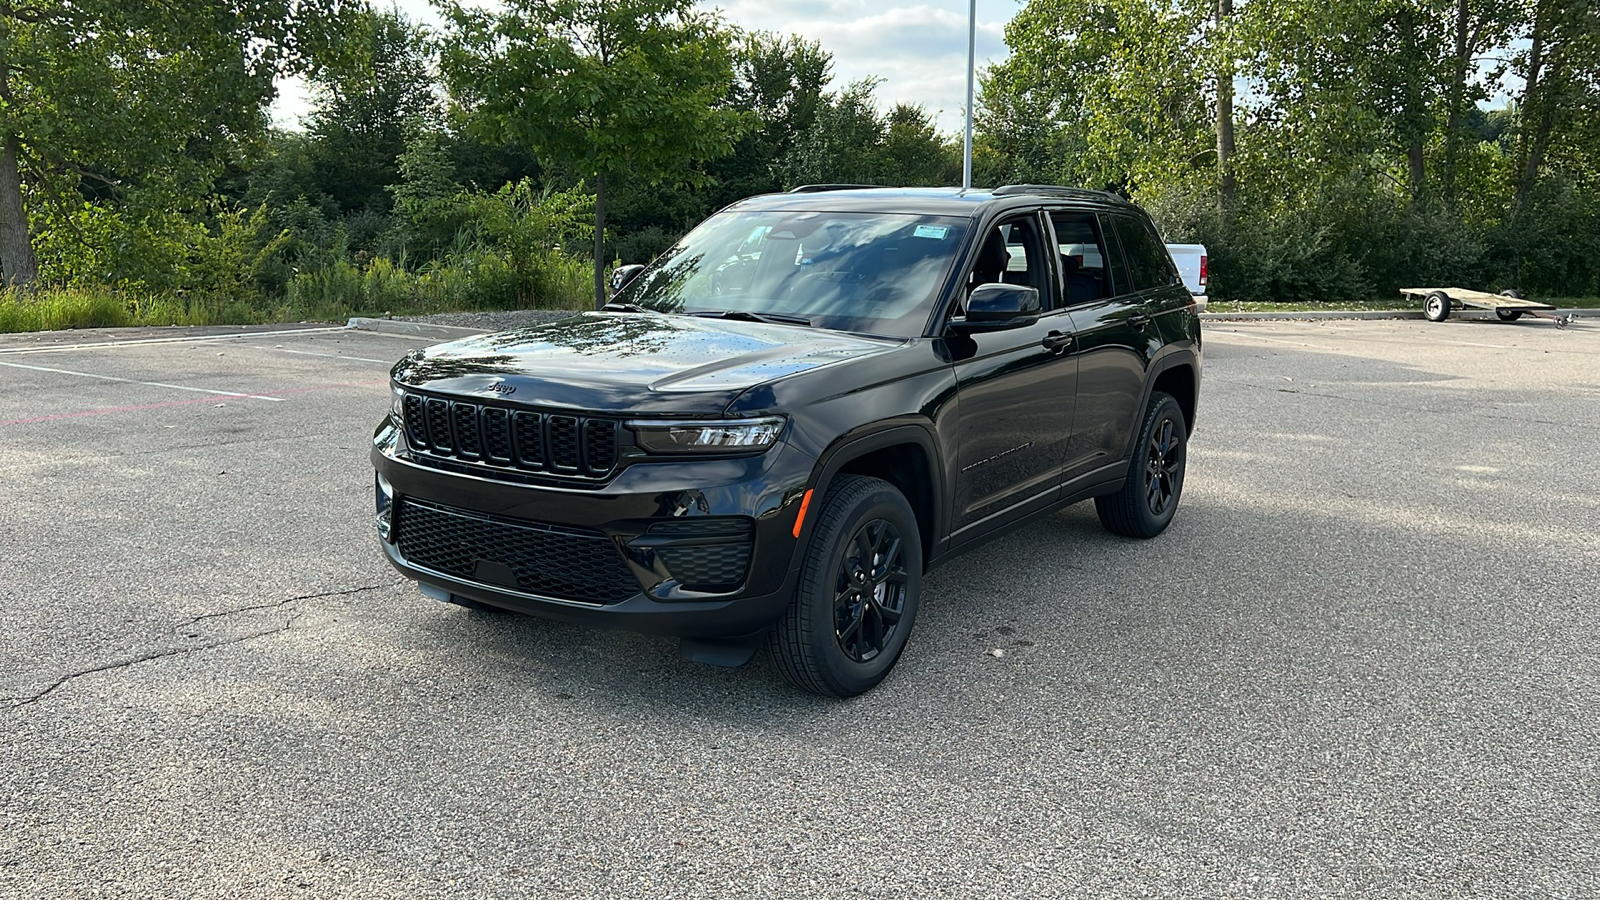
[(614, 306), (747, 316)]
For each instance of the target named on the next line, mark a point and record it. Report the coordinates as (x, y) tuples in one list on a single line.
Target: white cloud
[(919, 50)]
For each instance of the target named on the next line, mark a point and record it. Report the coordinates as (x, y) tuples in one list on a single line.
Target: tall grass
[(58, 308), (454, 253), (484, 280), (479, 279)]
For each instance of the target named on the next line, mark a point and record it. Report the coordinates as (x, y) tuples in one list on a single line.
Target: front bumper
[(640, 532)]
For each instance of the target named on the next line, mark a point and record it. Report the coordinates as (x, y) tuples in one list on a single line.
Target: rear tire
[(1436, 307), (1149, 497), (857, 599)]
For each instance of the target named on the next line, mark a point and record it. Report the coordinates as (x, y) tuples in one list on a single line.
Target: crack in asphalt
[(28, 700), (275, 604)]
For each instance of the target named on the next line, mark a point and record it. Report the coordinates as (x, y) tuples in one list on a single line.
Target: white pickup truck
[(1191, 260)]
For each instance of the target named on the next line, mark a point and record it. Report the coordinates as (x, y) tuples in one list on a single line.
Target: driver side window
[(1012, 252)]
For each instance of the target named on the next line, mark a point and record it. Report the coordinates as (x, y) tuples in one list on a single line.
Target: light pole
[(972, 61)]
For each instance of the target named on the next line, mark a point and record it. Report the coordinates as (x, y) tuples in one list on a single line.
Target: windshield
[(866, 272)]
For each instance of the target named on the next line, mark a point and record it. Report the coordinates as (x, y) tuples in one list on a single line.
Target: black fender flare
[(1171, 357), (858, 443)]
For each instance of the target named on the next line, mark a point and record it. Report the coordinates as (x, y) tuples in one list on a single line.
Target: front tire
[(1149, 497), (857, 599)]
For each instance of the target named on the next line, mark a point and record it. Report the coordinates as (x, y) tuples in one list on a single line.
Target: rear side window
[(1148, 263), (1085, 263)]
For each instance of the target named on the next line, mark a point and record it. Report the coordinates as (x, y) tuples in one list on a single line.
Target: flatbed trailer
[(1508, 306)]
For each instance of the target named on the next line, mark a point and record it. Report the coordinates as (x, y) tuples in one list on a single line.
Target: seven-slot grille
[(531, 557), (533, 441)]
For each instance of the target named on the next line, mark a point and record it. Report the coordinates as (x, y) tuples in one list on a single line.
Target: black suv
[(777, 427)]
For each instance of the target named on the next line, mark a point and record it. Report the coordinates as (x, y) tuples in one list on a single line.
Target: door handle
[(1138, 321), (1057, 341)]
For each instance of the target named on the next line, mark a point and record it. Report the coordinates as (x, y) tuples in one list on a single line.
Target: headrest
[(994, 257)]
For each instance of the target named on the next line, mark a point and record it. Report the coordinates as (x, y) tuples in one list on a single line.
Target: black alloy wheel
[(1148, 499), (1164, 471), (854, 608), (870, 592)]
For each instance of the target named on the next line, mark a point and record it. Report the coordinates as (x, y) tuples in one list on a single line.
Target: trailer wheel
[(1507, 315), (1515, 295), (1436, 307)]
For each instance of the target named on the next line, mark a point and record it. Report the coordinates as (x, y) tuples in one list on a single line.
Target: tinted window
[(1014, 253), (1116, 266), (874, 273), (1148, 262), (1085, 274)]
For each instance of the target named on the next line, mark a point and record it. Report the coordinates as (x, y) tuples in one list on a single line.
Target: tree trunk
[(1419, 172), (1415, 121), (1530, 150), (18, 266), (1538, 142), (599, 240), (1458, 89), (1226, 186)]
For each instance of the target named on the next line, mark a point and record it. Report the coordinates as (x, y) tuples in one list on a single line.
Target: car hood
[(630, 362)]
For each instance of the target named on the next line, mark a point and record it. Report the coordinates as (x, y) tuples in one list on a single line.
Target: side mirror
[(621, 275), (997, 307)]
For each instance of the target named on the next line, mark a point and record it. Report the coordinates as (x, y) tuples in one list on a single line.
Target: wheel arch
[(1177, 374), (904, 455)]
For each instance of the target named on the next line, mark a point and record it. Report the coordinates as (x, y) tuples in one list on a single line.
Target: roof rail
[(819, 188), (1053, 190)]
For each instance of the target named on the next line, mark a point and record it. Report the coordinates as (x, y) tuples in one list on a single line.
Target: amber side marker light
[(801, 518)]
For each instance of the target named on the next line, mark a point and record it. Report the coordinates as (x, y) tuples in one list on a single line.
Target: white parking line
[(332, 355), (1214, 335), (1474, 344), (107, 345), (161, 384)]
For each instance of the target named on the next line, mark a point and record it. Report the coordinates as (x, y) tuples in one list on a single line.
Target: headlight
[(726, 436), (397, 404)]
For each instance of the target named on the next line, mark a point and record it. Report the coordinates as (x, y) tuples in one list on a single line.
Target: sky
[(918, 49)]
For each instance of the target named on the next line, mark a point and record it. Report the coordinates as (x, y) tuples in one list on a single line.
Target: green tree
[(1561, 88), (598, 86), (1019, 137), (115, 95), (365, 106), (779, 81), (842, 142), (913, 152), (1124, 81)]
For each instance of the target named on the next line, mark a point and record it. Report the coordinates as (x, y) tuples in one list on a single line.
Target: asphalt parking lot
[(1363, 662)]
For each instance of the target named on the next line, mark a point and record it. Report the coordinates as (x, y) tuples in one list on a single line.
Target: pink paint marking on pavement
[(194, 400)]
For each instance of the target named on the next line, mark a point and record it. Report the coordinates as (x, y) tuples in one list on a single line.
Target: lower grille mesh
[(708, 567), (548, 560)]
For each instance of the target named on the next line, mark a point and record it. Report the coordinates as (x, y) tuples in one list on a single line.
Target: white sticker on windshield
[(936, 232)]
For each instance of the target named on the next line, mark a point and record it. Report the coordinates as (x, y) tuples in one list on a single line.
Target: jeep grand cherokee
[(772, 432)]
